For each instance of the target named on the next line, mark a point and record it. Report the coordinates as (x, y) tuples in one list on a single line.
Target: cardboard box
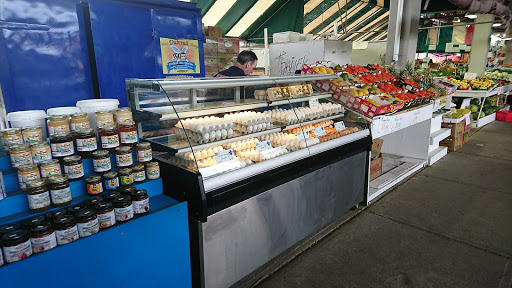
[(376, 162), (466, 136), (214, 32), (376, 147), (229, 45), (453, 143), (211, 48), (211, 66), (226, 60), (457, 128)]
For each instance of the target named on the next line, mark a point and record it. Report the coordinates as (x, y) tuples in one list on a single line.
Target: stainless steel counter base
[(243, 237)]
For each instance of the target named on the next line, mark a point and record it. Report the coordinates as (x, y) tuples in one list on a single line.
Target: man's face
[(249, 67)]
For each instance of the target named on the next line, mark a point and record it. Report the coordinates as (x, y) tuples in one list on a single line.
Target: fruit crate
[(505, 116)]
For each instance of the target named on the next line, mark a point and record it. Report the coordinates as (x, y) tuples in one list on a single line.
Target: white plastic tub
[(63, 111), (94, 105), (29, 118)]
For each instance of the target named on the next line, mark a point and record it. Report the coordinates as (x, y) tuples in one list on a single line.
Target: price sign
[(468, 121), (263, 146), (224, 156), (303, 135), (468, 75), (313, 103), (319, 131), (431, 47), (339, 126)]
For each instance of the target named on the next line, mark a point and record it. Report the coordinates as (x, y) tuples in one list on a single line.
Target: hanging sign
[(180, 56)]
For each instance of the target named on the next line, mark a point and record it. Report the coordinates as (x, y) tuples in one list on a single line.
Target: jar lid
[(39, 144), (32, 128), (72, 158), (86, 213), (93, 179), (27, 167), (8, 228), (75, 209), (127, 189), (85, 131), (13, 236), (57, 117), (122, 200), (34, 183), (55, 214), (58, 179), (125, 170), (126, 123), (64, 219), (139, 194), (100, 153), (10, 131), (110, 175), (152, 164), (138, 167), (18, 147), (144, 145), (80, 114), (41, 227), (102, 206), (123, 109), (124, 149), (48, 162), (103, 112), (93, 201), (32, 221), (107, 128), (61, 134), (112, 196)]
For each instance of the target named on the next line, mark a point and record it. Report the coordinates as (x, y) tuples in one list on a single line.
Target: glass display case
[(226, 130)]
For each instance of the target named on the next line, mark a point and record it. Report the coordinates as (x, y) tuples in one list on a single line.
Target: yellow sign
[(180, 56)]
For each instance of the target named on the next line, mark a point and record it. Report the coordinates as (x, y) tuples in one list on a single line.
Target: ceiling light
[(496, 25), (471, 16)]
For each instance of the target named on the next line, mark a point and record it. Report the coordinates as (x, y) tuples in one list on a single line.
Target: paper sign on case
[(319, 131), (224, 156), (340, 126), (313, 103), (303, 135), (263, 146)]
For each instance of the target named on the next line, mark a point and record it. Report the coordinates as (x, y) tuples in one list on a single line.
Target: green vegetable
[(475, 101), (473, 108)]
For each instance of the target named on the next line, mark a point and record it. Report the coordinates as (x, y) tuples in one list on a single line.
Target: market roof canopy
[(357, 20)]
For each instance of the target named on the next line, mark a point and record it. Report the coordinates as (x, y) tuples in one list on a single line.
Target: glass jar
[(75, 209), (20, 155), (125, 176), (7, 228), (79, 122), (62, 145), (123, 208), (11, 136), (58, 124), (106, 215), (91, 203), (123, 115), (144, 152), (87, 222), (94, 185), (109, 139), (153, 170), (101, 161), (104, 119), (139, 174), (66, 230), (140, 201), (50, 216), (28, 223), (86, 143), (40, 151), (27, 173), (73, 167), (38, 195), (111, 196), (50, 168), (127, 190), (42, 237), (128, 134), (124, 156), (60, 192), (32, 134), (111, 180), (16, 246)]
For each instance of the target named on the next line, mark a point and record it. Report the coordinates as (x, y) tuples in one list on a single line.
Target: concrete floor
[(448, 226)]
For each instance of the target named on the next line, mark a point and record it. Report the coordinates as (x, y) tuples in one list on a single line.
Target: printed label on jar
[(144, 155), (140, 207), (75, 127), (124, 160), (112, 184), (41, 155), (124, 214), (129, 137), (74, 171), (126, 180), (38, 200), (94, 188), (104, 123), (23, 179), (30, 137), (139, 176), (58, 129), (121, 120), (61, 195), (67, 236), (19, 159), (49, 172), (101, 165), (11, 139), (18, 252), (88, 144), (44, 243), (62, 149), (107, 220), (110, 141), (88, 228), (153, 173)]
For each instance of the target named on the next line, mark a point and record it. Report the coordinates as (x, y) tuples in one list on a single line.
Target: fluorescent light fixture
[(250, 17), (470, 16), (217, 11), (496, 25)]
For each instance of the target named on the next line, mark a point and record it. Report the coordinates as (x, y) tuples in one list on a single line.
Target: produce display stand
[(480, 122)]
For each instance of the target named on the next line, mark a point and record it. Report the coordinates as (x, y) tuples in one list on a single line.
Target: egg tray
[(233, 145), (248, 129), (200, 153), (201, 137)]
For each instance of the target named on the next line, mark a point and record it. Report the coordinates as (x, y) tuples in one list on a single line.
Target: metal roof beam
[(362, 15), (328, 23), (367, 24), (313, 21), (379, 27)]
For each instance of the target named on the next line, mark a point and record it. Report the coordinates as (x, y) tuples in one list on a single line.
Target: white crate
[(288, 36)]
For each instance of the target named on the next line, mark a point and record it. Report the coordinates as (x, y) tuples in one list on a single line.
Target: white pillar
[(480, 44), (404, 21)]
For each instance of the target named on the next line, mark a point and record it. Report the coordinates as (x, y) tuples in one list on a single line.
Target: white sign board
[(468, 75), (224, 156)]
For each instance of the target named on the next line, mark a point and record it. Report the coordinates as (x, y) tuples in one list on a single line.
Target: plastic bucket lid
[(63, 110), (26, 115), (92, 103)]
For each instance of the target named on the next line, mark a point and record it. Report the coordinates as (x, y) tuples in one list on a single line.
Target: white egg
[(206, 136), (230, 131)]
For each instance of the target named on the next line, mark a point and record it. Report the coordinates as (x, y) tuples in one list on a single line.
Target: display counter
[(263, 162)]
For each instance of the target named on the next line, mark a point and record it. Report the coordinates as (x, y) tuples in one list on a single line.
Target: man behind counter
[(245, 64)]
